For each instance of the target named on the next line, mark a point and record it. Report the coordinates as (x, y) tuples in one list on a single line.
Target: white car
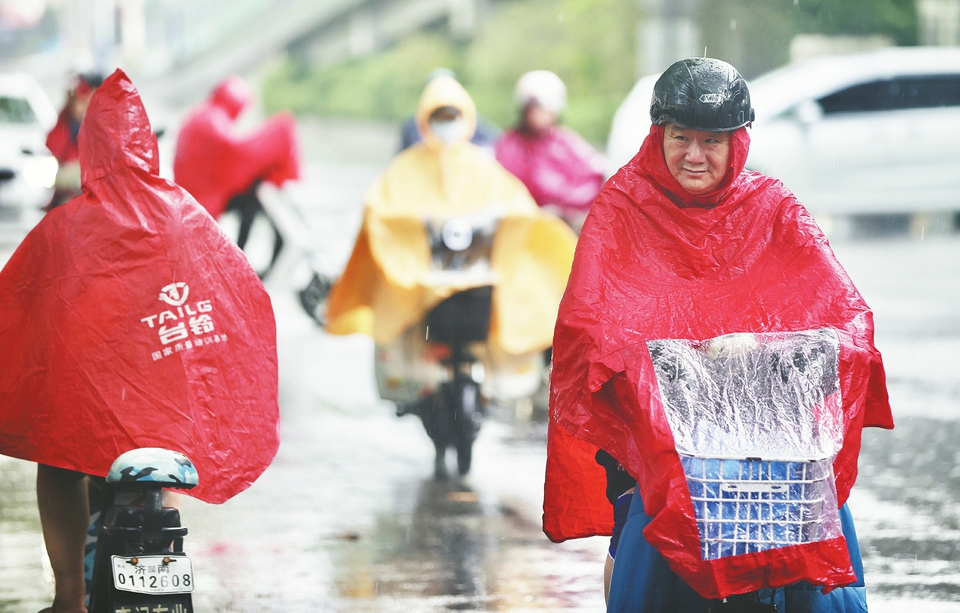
[(27, 170), (865, 133)]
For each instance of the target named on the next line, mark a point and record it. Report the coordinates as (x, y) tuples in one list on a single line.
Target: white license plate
[(153, 574)]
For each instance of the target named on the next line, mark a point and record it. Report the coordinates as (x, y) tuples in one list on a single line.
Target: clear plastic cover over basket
[(757, 421)]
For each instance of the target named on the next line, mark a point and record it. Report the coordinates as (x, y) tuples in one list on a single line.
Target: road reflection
[(908, 511), (438, 549), (22, 583), (457, 551)]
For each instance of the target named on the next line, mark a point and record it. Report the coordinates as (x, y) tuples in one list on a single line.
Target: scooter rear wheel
[(469, 424), (464, 456)]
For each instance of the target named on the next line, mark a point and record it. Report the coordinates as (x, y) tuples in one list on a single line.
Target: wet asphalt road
[(347, 518)]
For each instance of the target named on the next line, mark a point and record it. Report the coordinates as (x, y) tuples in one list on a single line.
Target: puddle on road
[(446, 547), (454, 552), (22, 584), (909, 519)]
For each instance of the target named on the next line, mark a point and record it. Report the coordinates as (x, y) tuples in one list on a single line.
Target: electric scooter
[(139, 564), (452, 414)]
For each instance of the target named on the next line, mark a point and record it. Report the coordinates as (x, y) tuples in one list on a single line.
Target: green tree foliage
[(384, 86), (895, 18), (755, 35), (589, 43)]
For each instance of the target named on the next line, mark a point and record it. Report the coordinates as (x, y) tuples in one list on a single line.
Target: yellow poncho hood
[(384, 288)]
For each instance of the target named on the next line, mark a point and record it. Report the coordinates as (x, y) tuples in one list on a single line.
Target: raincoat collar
[(116, 133), (651, 163), (445, 91)]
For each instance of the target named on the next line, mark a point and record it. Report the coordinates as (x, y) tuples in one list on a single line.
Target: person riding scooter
[(563, 172), (129, 320), (389, 284), (690, 269), (222, 166)]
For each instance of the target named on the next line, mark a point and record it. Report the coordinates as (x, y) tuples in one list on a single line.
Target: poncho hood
[(126, 140), (233, 95), (128, 319), (650, 162), (440, 92), (654, 263)]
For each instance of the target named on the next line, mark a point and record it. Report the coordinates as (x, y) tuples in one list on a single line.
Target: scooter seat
[(154, 465)]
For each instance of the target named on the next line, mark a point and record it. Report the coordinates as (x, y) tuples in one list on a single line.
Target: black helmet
[(701, 94)]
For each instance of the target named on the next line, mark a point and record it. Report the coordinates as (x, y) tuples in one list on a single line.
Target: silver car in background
[(27, 169), (868, 133)]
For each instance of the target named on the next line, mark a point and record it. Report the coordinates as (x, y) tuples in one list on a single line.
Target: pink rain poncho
[(559, 168), (128, 319)]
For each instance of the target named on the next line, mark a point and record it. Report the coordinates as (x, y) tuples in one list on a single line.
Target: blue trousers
[(643, 583)]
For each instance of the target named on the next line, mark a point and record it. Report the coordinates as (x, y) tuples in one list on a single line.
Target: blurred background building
[(369, 57)]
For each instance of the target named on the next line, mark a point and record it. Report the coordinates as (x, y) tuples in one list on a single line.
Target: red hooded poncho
[(653, 262), (60, 140), (559, 168), (128, 319), (215, 163)]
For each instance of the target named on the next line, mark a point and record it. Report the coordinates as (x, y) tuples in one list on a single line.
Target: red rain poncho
[(60, 139), (654, 262), (559, 168), (128, 319), (214, 162)]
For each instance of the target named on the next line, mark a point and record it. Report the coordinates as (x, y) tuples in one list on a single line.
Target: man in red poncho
[(129, 320), (683, 243), (222, 166)]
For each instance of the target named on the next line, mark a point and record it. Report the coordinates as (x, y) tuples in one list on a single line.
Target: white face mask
[(448, 132)]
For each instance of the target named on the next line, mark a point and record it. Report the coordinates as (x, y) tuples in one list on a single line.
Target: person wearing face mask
[(684, 246), (485, 134), (563, 172), (448, 125), (387, 286)]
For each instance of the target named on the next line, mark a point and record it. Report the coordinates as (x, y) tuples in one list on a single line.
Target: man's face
[(697, 160)]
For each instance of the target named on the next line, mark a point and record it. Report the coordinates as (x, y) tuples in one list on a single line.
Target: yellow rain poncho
[(385, 289)]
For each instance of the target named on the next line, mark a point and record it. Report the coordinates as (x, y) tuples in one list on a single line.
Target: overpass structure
[(372, 24), (177, 50), (319, 32)]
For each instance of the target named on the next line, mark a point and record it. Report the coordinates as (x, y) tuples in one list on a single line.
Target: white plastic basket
[(752, 505)]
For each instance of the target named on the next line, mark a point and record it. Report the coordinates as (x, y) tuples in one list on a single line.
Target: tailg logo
[(172, 295), (185, 325)]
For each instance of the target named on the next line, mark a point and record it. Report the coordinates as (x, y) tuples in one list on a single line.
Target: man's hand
[(731, 345)]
